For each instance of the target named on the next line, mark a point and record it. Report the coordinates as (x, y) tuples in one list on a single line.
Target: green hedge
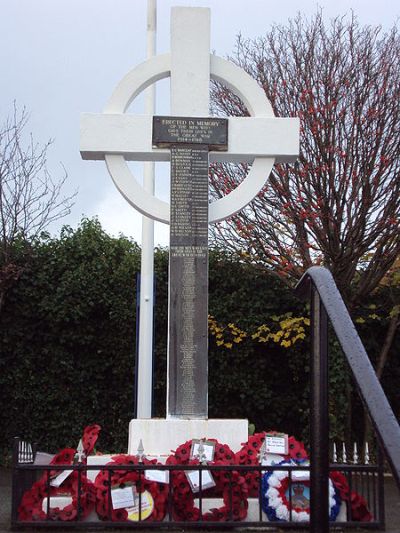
[(67, 341)]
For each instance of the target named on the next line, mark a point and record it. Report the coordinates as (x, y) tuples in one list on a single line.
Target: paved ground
[(391, 492)]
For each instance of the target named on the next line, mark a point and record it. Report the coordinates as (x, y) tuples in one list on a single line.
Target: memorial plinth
[(160, 436)]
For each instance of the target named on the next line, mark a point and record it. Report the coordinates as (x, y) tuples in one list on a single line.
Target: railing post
[(16, 480), (319, 430), (381, 487), (371, 392)]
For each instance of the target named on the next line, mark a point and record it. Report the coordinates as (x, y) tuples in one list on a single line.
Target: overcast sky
[(63, 57)]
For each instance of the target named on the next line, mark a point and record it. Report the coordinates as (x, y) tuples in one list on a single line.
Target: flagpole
[(145, 354)]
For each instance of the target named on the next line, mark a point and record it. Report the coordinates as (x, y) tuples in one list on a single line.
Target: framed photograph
[(276, 443), (208, 450), (300, 494)]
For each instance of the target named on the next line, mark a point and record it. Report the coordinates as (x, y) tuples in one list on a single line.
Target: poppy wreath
[(89, 438), (31, 506), (359, 507), (230, 485), (249, 455), (120, 478), (277, 506)]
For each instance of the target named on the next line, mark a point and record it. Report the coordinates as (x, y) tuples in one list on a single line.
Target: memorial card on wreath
[(276, 443)]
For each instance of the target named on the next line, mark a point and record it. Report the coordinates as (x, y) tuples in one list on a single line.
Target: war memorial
[(189, 469)]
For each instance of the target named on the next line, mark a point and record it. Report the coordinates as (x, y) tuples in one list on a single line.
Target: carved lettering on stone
[(189, 140)]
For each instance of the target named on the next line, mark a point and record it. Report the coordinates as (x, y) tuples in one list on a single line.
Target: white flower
[(282, 512), (281, 474), (301, 517), (274, 482), (275, 502), (272, 493), (332, 500)]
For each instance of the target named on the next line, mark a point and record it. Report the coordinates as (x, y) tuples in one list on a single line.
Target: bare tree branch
[(340, 204), (29, 198)]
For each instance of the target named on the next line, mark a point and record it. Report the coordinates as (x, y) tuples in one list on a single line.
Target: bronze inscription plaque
[(183, 130)]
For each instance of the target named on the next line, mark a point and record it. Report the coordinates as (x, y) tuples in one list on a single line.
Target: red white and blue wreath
[(277, 502)]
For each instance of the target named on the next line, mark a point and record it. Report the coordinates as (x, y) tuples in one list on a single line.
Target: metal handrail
[(371, 392)]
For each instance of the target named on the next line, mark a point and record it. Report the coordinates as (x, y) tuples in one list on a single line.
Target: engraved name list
[(190, 140)]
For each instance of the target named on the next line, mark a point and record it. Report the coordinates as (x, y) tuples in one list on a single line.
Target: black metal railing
[(366, 479), (327, 303)]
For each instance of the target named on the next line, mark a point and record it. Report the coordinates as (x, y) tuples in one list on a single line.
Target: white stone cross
[(118, 137)]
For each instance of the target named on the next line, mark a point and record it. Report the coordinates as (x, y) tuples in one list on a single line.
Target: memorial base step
[(161, 436)]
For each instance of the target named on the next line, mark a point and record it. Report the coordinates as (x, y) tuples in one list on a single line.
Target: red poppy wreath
[(359, 507), (89, 438), (121, 478), (31, 507), (249, 455), (231, 485)]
